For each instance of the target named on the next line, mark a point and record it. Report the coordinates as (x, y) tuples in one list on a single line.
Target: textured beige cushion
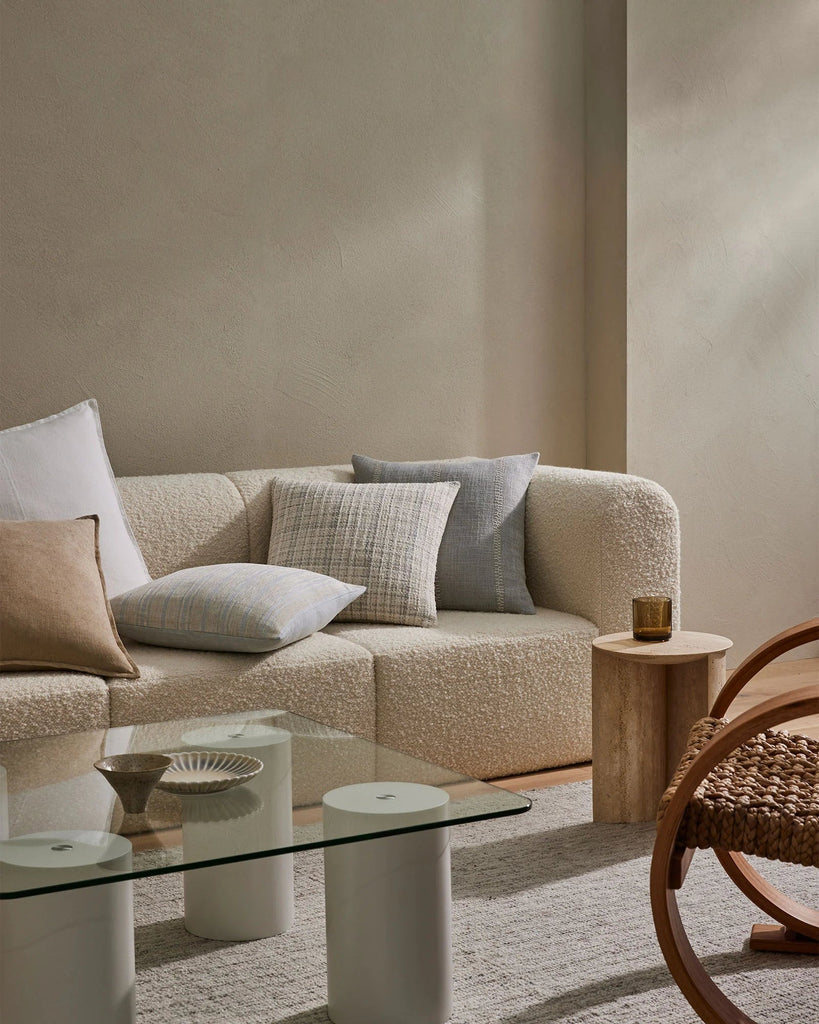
[(484, 693), (186, 519), (254, 487), (48, 703), (54, 612), (322, 677), (384, 537)]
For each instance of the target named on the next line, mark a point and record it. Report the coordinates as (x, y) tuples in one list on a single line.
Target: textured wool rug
[(551, 922)]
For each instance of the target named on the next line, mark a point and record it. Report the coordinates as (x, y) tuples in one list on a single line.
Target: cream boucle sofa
[(485, 693)]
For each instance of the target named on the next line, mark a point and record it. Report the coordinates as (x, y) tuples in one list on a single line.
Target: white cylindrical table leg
[(67, 956), (249, 899), (388, 906)]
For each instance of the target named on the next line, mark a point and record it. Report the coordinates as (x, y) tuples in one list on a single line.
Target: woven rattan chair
[(741, 788)]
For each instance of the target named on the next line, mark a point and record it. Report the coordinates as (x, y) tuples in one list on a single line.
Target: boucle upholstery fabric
[(46, 760), (254, 487), (480, 562), (384, 537), (593, 540), (321, 677), (186, 519), (48, 703), (596, 540), (484, 693)]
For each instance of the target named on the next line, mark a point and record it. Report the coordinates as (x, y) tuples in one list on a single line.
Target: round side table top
[(683, 646)]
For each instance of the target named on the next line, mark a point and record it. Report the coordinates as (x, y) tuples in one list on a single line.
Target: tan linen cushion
[(53, 606)]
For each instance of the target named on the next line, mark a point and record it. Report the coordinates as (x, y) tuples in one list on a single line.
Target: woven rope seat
[(762, 800), (744, 787)]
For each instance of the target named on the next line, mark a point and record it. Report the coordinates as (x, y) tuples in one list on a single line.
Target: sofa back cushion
[(186, 519)]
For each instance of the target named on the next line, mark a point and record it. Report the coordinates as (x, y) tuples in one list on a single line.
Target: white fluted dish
[(208, 771)]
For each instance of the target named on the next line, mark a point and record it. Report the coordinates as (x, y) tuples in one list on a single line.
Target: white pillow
[(57, 468), (240, 606)]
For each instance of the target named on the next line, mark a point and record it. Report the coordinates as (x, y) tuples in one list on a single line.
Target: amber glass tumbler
[(651, 618)]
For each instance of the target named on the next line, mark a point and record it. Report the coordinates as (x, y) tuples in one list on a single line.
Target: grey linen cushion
[(383, 537), (238, 606), (480, 565)]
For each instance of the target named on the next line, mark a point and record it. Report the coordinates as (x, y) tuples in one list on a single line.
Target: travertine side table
[(645, 698)]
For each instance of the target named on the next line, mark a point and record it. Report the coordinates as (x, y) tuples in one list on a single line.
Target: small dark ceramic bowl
[(133, 777)]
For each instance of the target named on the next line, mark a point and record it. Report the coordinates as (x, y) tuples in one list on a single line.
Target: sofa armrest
[(595, 540)]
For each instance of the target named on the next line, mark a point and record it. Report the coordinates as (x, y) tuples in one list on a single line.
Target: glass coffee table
[(69, 853)]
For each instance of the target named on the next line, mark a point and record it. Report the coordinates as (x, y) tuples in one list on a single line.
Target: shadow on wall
[(532, 160), (723, 225)]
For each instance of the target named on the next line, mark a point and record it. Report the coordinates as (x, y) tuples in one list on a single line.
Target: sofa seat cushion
[(321, 677), (485, 693), (49, 703)]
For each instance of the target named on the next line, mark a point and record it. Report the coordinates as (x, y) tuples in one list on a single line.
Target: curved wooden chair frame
[(670, 861)]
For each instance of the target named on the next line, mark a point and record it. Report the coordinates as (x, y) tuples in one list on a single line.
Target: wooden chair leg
[(798, 929), (776, 938), (710, 1003)]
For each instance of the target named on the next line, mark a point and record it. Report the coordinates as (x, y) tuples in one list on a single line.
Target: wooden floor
[(778, 677)]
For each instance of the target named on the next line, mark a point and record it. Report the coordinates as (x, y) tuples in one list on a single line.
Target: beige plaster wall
[(265, 233), (605, 233), (723, 307)]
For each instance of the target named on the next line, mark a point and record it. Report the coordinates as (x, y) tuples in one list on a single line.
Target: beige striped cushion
[(384, 537), (235, 607)]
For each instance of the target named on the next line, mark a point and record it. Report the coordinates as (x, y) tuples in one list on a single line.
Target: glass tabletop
[(62, 826)]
